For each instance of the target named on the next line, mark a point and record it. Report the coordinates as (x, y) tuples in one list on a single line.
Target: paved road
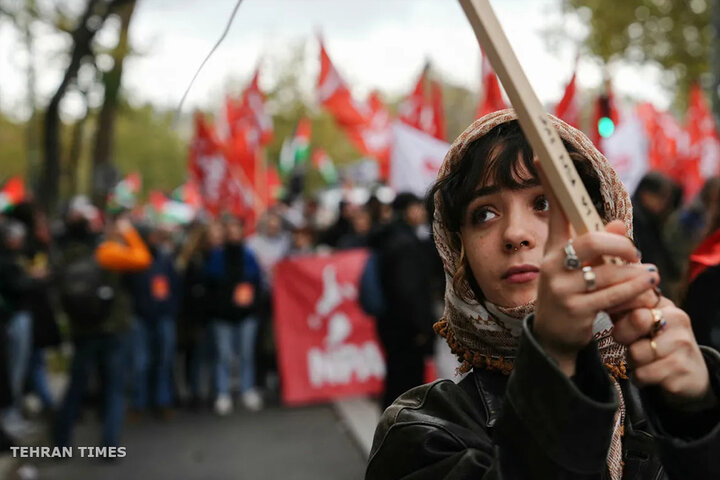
[(276, 444)]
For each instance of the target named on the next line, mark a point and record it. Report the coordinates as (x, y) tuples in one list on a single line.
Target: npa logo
[(338, 360)]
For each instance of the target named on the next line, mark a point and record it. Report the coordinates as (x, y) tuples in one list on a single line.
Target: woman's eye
[(481, 215), (541, 204)]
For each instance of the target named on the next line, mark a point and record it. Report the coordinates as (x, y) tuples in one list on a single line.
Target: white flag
[(627, 151), (415, 160)]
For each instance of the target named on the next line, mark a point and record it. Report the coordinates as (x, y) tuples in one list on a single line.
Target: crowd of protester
[(161, 317)]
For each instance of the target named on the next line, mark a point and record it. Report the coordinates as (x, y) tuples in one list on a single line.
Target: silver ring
[(571, 262), (590, 279), (659, 322)]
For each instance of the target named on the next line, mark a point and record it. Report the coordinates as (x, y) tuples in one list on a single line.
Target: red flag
[(411, 107), (707, 254), (438, 111), (253, 102), (274, 187), (14, 190), (334, 94), (209, 168), (703, 159), (422, 109), (568, 109), (668, 148), (243, 150), (374, 138), (492, 99), (157, 199), (367, 125)]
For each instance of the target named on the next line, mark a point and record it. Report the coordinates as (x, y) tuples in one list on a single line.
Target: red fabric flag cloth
[(208, 166), (492, 99), (271, 194), (375, 137), (367, 125), (666, 140), (707, 254), (247, 113), (703, 159), (568, 109), (423, 109), (157, 199), (410, 108), (243, 150), (334, 94), (670, 149), (438, 111), (14, 190), (253, 102)]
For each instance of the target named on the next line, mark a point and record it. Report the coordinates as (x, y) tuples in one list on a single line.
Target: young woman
[(577, 369)]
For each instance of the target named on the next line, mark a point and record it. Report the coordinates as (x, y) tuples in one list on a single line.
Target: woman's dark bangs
[(510, 165)]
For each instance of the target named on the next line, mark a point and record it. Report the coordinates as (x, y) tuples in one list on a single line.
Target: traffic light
[(605, 124)]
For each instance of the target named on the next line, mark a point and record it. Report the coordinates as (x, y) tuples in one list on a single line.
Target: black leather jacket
[(539, 424)]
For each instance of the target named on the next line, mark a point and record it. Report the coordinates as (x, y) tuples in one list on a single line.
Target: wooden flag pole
[(544, 139)]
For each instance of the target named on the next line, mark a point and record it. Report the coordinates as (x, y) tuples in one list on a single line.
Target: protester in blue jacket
[(233, 280), (156, 294)]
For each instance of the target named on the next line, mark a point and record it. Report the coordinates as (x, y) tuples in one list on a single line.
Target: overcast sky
[(373, 43)]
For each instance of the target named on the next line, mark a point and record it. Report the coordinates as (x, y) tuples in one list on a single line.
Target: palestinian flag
[(12, 194), (324, 164), (295, 152), (124, 195)]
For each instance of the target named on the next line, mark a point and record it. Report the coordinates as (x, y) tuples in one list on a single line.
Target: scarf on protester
[(484, 335)]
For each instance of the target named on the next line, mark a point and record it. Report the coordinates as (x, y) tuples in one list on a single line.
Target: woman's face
[(504, 233)]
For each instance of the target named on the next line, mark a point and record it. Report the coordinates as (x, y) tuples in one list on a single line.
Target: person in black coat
[(409, 269), (652, 203)]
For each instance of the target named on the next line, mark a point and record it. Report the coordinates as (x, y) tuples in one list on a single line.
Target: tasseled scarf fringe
[(470, 359)]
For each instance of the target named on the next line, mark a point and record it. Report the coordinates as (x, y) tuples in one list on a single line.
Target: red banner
[(327, 347)]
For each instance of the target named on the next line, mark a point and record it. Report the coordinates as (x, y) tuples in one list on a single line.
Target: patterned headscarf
[(484, 335)]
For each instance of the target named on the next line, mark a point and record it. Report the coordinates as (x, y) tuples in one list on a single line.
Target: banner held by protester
[(327, 347)]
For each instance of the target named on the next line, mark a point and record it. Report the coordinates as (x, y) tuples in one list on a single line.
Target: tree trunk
[(82, 47), (32, 128), (73, 160), (102, 155)]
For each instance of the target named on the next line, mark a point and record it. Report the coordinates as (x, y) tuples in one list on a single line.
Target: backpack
[(371, 296), (86, 290)]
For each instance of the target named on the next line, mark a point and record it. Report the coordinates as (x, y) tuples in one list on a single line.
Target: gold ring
[(653, 346)]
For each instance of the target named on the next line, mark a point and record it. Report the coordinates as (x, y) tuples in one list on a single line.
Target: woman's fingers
[(617, 227), (648, 299), (591, 246), (642, 352), (617, 294), (605, 276), (670, 358)]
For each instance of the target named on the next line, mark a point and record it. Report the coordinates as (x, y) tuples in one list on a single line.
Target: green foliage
[(13, 148), (676, 34), (146, 142)]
